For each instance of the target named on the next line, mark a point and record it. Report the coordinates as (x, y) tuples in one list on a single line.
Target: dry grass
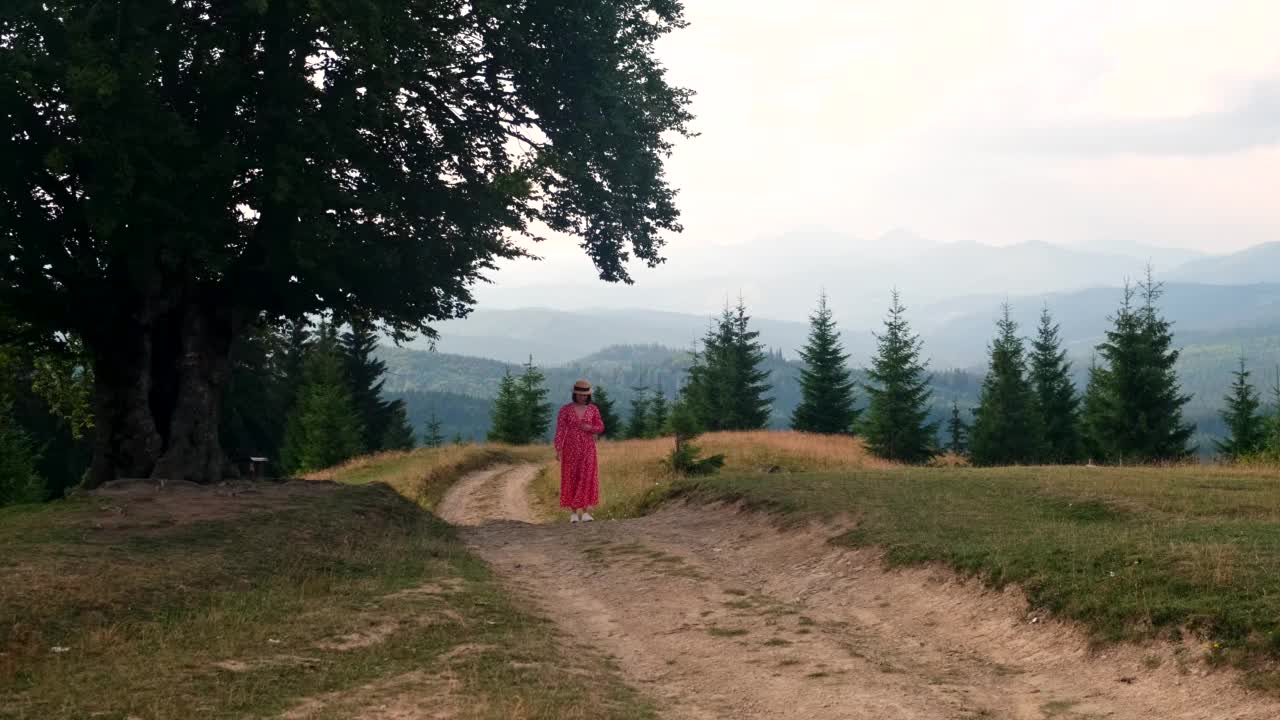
[(426, 474), (316, 600), (632, 474)]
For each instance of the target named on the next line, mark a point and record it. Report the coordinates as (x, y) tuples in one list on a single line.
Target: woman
[(577, 426)]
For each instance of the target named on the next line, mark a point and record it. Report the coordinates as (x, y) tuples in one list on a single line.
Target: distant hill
[(1260, 264), (556, 337), (781, 276)]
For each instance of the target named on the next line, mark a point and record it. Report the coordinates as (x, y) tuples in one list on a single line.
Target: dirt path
[(718, 615)]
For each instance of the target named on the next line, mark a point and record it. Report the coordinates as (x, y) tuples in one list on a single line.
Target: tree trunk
[(192, 448), (158, 391), (126, 442)]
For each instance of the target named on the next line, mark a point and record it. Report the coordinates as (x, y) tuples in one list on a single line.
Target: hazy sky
[(997, 121)]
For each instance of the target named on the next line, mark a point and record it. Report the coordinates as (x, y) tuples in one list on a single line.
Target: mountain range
[(781, 277)]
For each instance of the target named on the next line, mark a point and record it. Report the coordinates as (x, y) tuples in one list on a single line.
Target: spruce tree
[(508, 423), (638, 424), (826, 385), (1143, 421), (432, 437), (705, 393), (535, 411), (604, 404), (1006, 426), (727, 383), (1245, 422), (957, 432), (324, 428), (751, 406), (1056, 394), (364, 375), (659, 413), (1170, 434), (896, 425), (399, 433)]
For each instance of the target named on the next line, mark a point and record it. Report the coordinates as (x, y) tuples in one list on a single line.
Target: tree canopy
[(177, 172)]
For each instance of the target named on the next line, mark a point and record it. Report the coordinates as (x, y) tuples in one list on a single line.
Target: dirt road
[(716, 614)]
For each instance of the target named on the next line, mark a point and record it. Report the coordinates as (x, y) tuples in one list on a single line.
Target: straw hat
[(582, 387)]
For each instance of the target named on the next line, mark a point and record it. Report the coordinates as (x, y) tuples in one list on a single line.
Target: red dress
[(579, 469)]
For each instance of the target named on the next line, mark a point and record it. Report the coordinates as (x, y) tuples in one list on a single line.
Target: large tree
[(1006, 425), (826, 385), (896, 425), (175, 172), (1059, 402)]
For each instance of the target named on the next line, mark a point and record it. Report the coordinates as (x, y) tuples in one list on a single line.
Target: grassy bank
[(293, 600), (1132, 554)]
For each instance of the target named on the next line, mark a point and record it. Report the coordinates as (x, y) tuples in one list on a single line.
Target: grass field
[(1188, 553), (298, 600), (632, 475)]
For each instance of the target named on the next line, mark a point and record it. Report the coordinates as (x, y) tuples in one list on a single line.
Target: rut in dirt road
[(716, 614)]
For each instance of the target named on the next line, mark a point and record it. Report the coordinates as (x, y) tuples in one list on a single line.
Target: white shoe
[(573, 518), (586, 517)]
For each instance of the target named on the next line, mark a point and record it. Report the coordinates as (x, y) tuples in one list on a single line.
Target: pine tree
[(706, 385), (458, 439), (750, 404), (957, 432), (604, 404), (638, 424), (1243, 418), (1056, 394), (364, 376), (896, 426), (727, 384), (433, 438), (659, 413), (826, 385), (508, 423), (1006, 425), (324, 428), (399, 433), (1143, 420), (535, 411)]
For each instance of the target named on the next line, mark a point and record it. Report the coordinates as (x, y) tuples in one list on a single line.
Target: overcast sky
[(996, 121)]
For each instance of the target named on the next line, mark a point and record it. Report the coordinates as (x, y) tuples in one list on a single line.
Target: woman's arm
[(595, 423), (560, 428)]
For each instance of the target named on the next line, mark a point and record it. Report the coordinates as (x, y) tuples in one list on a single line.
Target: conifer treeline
[(1029, 410)]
